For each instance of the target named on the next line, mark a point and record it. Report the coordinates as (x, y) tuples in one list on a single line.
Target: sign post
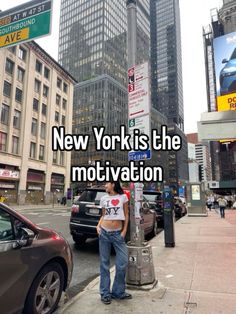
[(140, 267), (25, 22)]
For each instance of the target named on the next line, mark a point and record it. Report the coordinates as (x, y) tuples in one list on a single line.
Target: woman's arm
[(126, 213), (100, 221)]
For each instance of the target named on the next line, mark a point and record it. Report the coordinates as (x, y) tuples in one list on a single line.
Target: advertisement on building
[(225, 69)]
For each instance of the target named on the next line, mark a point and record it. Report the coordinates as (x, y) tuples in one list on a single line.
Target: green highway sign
[(25, 22)]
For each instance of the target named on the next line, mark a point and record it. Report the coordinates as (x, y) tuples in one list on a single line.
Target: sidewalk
[(197, 276)]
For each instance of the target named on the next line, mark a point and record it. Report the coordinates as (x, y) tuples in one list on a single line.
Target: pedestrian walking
[(209, 203), (222, 204), (112, 228)]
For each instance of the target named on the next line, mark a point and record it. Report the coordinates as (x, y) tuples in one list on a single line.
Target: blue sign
[(139, 155), (182, 191)]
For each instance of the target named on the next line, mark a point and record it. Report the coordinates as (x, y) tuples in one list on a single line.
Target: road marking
[(43, 223)]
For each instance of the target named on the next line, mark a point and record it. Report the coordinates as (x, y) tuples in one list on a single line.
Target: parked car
[(155, 200), (228, 75), (86, 212), (35, 265), (180, 207)]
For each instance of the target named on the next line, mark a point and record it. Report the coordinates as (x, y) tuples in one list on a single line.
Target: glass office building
[(166, 83), (92, 38), (93, 48), (166, 60)]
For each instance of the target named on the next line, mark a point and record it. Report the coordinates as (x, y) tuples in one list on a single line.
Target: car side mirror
[(224, 61), (26, 238)]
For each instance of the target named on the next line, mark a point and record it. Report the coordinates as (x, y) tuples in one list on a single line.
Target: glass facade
[(167, 90), (92, 38), (166, 80), (93, 48)]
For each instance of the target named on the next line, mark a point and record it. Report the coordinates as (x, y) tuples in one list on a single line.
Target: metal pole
[(140, 268), (131, 59), (131, 32)]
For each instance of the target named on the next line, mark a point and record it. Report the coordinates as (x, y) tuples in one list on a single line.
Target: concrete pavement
[(197, 276)]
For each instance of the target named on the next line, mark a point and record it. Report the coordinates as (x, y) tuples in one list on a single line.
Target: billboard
[(225, 70)]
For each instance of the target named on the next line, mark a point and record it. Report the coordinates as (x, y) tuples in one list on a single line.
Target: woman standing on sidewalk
[(112, 228)]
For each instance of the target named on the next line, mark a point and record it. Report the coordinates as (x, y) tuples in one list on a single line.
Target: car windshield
[(91, 196), (233, 56), (152, 197)]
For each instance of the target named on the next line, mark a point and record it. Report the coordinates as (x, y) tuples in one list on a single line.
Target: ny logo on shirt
[(112, 210)]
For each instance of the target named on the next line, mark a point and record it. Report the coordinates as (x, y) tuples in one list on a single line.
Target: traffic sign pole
[(140, 267)]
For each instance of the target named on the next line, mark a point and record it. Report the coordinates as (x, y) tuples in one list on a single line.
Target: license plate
[(94, 211)]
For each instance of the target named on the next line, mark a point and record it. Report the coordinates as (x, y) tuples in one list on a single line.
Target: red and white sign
[(9, 174), (139, 91)]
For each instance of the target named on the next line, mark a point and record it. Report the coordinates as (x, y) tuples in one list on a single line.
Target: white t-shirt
[(114, 206)]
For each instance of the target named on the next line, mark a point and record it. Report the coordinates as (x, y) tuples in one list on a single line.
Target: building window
[(22, 53), (54, 157), (45, 91), (41, 152), (15, 145), (34, 126), (20, 74), (58, 99), (43, 130), (32, 150), (56, 116), (63, 120), (16, 119), (37, 86), (46, 73), (7, 89), (62, 158), (9, 66), (5, 114), (3, 141), (38, 66), (59, 82), (12, 49), (18, 96), (64, 103), (35, 104), (65, 88), (44, 109)]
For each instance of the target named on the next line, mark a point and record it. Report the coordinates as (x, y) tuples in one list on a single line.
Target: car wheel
[(154, 230), (46, 290), (79, 240)]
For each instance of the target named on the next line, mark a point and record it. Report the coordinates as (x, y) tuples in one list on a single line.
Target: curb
[(90, 286)]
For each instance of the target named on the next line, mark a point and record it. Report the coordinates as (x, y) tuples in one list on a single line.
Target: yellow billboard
[(226, 102)]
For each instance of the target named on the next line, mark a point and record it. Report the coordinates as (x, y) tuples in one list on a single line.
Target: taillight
[(75, 208)]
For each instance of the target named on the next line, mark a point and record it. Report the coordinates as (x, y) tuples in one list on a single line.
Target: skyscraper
[(92, 47), (167, 90), (92, 39), (166, 60)]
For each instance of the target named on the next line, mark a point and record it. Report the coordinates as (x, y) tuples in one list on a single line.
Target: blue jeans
[(106, 239), (222, 212)]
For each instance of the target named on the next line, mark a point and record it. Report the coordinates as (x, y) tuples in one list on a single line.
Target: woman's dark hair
[(117, 187)]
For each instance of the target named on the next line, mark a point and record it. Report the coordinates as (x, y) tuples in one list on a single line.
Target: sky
[(194, 15)]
